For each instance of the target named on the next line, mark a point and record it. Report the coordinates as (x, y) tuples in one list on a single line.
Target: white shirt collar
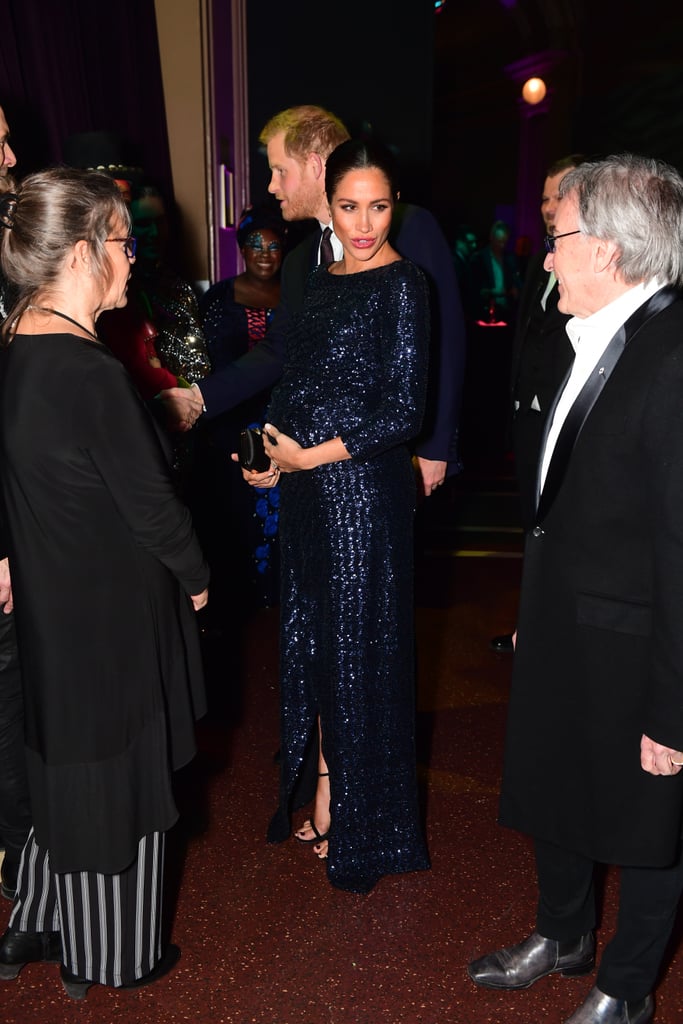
[(600, 326), (590, 336)]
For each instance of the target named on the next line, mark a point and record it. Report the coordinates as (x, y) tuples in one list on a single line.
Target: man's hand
[(6, 598), (183, 407), (658, 759), (432, 474), (199, 600)]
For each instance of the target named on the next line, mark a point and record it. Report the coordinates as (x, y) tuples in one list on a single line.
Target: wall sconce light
[(534, 91)]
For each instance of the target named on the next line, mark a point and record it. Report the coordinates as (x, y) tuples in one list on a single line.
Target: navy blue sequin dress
[(356, 368)]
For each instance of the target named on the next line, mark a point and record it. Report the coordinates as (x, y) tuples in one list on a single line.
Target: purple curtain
[(78, 66)]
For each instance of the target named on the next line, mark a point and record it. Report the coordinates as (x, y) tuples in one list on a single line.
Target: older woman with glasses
[(107, 575)]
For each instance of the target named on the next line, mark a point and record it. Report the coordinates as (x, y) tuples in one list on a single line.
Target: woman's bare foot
[(320, 849), (310, 833), (316, 829)]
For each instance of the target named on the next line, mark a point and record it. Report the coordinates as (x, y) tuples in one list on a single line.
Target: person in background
[(541, 357), (15, 811), (107, 575), (339, 425), (167, 298), (158, 334), (235, 314), (464, 248), (495, 277), (594, 743)]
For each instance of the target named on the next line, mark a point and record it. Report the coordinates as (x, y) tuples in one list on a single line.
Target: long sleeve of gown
[(405, 346)]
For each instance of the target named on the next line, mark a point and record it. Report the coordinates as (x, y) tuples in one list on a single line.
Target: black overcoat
[(103, 557), (599, 657)]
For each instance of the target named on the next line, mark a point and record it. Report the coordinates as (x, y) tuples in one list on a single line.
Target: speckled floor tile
[(264, 937)]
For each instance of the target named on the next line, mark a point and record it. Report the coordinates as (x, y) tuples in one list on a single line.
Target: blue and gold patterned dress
[(356, 368)]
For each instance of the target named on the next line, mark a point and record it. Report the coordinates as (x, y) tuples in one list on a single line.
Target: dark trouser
[(648, 902), (110, 924), (15, 814)]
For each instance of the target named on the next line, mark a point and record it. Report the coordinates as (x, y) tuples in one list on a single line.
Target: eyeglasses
[(549, 240), (130, 245)]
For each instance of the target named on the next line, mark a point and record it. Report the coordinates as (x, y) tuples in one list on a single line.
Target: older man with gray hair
[(595, 733)]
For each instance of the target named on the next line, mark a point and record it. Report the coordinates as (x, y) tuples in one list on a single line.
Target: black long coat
[(599, 657), (103, 557)]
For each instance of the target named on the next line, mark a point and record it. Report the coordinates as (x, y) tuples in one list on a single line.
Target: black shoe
[(502, 644), (521, 965), (597, 1008), (77, 987), (20, 948)]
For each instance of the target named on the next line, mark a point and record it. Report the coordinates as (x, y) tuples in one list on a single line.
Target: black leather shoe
[(521, 965), (77, 987), (503, 644), (597, 1008), (19, 948)]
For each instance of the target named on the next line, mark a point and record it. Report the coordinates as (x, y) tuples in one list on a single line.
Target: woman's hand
[(254, 479), (285, 453), (199, 600)]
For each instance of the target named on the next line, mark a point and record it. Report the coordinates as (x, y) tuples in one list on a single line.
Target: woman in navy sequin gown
[(350, 400)]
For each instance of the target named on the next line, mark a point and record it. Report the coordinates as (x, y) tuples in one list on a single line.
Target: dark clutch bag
[(252, 453)]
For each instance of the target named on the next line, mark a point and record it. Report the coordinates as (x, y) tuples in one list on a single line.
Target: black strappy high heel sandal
[(318, 837)]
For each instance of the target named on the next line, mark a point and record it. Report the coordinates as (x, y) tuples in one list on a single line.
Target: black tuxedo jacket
[(599, 657), (417, 236), (542, 352)]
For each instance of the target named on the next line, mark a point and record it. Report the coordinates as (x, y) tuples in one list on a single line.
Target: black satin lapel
[(587, 397), (546, 430), (576, 417)]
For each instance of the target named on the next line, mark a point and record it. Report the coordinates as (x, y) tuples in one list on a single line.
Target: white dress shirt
[(589, 338)]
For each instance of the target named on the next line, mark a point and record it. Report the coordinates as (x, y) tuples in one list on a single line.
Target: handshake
[(183, 407)]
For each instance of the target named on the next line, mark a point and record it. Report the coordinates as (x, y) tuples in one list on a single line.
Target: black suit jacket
[(542, 352), (599, 657), (417, 236)]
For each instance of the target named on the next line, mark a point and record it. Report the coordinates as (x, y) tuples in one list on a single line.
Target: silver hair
[(636, 203), (51, 211)]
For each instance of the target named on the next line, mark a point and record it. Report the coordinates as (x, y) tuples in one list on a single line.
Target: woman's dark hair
[(54, 210), (356, 155)]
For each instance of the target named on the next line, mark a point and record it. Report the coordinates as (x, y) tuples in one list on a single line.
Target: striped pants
[(110, 924)]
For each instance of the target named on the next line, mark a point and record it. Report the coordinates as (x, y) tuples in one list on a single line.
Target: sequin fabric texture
[(172, 306), (356, 368)]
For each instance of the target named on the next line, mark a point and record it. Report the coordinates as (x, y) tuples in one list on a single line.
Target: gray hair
[(54, 210), (636, 203)]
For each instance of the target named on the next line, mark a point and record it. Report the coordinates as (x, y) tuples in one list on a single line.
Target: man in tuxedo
[(298, 142), (15, 817), (541, 357), (595, 731)]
